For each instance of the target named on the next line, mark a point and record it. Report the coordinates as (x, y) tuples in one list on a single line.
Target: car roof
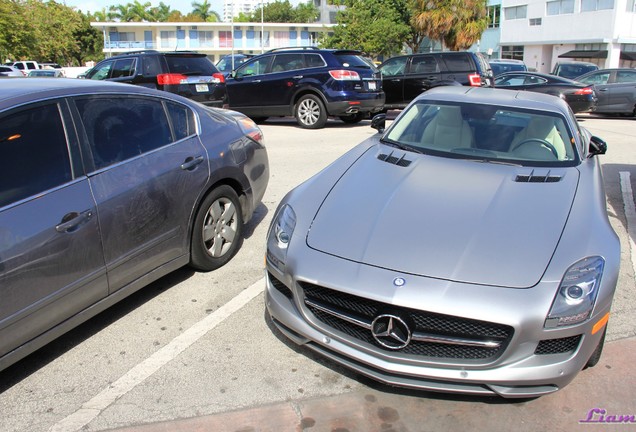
[(550, 77), (500, 97), (16, 92)]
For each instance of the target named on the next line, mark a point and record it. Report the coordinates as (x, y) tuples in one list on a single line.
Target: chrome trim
[(416, 336)]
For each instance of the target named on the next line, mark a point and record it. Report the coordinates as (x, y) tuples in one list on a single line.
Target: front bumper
[(517, 373)]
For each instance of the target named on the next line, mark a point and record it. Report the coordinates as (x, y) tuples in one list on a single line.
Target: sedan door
[(51, 260), (422, 74), (149, 171), (623, 91), (393, 74), (600, 81)]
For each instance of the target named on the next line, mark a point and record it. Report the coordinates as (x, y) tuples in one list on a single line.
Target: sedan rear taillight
[(219, 78), (171, 79), (174, 79), (344, 75), (584, 91), (474, 79)]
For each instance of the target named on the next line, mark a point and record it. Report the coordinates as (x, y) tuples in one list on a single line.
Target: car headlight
[(577, 293), (279, 236)]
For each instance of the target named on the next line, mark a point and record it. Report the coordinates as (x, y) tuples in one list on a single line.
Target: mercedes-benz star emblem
[(391, 331), (398, 281)]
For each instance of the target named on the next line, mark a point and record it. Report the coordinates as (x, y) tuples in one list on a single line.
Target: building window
[(560, 7), (493, 13), (535, 22), (206, 38), (596, 5), (516, 12), (630, 6), (225, 39), (512, 52), (168, 39)]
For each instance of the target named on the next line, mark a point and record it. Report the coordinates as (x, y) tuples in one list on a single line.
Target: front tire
[(310, 112), (596, 355), (218, 230)]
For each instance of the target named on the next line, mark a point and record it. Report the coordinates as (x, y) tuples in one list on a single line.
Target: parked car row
[(314, 84), (489, 287)]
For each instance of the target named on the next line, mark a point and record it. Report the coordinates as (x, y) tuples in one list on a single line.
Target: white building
[(541, 32), (213, 39)]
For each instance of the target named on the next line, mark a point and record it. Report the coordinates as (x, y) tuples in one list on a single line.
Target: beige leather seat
[(447, 130), (542, 128)]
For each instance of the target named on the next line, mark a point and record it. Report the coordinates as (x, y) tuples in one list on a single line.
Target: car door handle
[(297, 77), (72, 220), (603, 90), (256, 81), (191, 162)]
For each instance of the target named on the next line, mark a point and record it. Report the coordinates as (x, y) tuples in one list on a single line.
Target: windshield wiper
[(400, 145)]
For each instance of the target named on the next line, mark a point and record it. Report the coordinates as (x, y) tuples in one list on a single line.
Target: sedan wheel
[(310, 112), (218, 228)]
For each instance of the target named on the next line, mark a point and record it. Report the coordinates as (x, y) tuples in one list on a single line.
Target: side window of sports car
[(35, 153)]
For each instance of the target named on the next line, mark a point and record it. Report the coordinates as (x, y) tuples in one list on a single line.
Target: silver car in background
[(107, 187), (466, 249)]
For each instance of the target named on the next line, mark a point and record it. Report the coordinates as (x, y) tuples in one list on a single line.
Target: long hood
[(450, 219)]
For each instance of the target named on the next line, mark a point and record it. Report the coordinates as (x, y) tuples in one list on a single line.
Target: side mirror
[(378, 122), (597, 146)]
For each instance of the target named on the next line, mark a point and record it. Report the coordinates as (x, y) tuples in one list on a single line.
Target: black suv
[(188, 74), (405, 77), (308, 83)]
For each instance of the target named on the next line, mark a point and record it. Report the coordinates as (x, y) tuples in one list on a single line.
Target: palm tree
[(214, 17), (120, 12), (140, 11), (160, 13), (201, 9), (457, 23), (105, 15)]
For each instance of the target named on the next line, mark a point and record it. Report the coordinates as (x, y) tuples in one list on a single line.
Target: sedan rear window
[(190, 65)]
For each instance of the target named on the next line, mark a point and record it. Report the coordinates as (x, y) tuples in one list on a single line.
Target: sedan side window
[(120, 128), (102, 73), (124, 68), (599, 78), (35, 155), (394, 67), (182, 120), (625, 77), (257, 67)]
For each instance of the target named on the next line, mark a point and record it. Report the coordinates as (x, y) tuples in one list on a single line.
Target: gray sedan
[(466, 249), (107, 187), (615, 90)]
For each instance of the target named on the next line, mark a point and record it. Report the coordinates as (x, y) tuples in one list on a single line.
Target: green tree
[(374, 27), (202, 9), (305, 13), (121, 12), (90, 42), (17, 38), (105, 15), (53, 26), (160, 13), (457, 23)]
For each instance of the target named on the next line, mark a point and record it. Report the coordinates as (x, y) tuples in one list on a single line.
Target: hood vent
[(537, 178), (394, 159)]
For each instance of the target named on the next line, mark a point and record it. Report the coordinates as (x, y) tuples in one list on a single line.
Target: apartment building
[(543, 32), (213, 39), (539, 32)]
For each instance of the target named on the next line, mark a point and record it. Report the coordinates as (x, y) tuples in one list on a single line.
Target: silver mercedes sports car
[(465, 249)]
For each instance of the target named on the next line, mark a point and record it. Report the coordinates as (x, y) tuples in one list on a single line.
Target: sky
[(184, 6)]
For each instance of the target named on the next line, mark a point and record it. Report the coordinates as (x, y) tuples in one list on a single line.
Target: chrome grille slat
[(433, 335)]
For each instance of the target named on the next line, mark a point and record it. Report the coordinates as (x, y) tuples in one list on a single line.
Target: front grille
[(558, 346), (328, 306)]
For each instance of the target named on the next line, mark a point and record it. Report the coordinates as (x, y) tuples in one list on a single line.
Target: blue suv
[(308, 83)]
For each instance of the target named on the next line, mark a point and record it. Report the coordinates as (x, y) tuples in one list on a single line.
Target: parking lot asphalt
[(600, 398)]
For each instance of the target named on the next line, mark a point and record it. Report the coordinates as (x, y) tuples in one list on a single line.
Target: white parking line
[(91, 409), (630, 214)]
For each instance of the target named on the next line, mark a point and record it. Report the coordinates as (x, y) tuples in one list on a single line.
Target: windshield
[(484, 132)]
